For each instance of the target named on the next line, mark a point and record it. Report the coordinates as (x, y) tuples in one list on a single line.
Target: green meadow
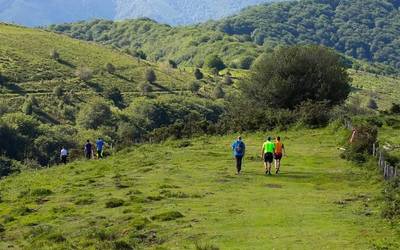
[(185, 195)]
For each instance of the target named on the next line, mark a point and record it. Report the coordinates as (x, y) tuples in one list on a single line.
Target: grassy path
[(318, 202)]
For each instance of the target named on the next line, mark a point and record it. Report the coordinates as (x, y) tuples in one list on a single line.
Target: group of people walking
[(270, 151), (89, 151)]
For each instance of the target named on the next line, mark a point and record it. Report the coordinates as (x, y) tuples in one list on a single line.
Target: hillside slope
[(366, 30), (182, 193)]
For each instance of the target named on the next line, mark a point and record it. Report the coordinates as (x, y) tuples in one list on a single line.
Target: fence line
[(389, 172)]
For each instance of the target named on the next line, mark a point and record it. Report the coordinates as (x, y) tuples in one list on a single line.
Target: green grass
[(169, 196), (385, 90)]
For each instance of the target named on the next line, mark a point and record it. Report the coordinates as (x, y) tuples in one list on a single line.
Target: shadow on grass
[(66, 63), (162, 88), (123, 77), (95, 86), (14, 88)]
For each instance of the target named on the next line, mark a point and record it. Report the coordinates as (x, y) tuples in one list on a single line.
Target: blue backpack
[(239, 147)]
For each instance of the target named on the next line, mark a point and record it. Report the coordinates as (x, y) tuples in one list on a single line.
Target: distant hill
[(39, 13), (363, 29)]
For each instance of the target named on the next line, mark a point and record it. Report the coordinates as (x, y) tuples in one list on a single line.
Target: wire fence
[(389, 172)]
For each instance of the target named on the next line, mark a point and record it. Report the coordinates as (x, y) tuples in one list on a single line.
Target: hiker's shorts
[(278, 156), (268, 157)]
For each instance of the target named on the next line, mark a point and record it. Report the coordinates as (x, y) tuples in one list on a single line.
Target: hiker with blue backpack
[(239, 150)]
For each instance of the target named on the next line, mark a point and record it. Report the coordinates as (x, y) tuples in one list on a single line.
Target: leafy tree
[(84, 73), (110, 68), (198, 74), (24, 125), (246, 62), (214, 62), (150, 75), (290, 76), (115, 95), (218, 92), (94, 114)]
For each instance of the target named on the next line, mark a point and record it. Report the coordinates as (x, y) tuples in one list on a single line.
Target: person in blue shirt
[(239, 150), (99, 147)]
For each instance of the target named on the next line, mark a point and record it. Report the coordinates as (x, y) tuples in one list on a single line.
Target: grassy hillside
[(365, 30), (182, 193), (43, 87)]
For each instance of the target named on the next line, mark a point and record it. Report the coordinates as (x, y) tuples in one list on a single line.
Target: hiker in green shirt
[(267, 153)]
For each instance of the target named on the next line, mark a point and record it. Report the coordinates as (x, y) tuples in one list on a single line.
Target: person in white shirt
[(64, 155)]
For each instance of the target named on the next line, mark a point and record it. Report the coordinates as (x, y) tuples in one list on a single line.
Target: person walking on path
[(88, 150), (267, 153), (279, 153), (99, 147), (239, 150), (64, 155)]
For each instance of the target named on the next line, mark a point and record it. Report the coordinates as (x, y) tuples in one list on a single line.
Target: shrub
[(365, 136), (194, 87), (218, 92), (150, 75), (228, 80), (313, 114), (391, 210), (27, 108), (58, 91), (110, 68), (84, 73), (395, 109), (198, 74), (168, 216), (115, 95), (372, 104), (289, 76), (246, 62), (8, 166), (94, 114), (172, 64), (114, 202), (214, 62), (145, 88), (206, 247), (55, 55)]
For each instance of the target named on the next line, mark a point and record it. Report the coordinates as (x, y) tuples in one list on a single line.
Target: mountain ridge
[(174, 12)]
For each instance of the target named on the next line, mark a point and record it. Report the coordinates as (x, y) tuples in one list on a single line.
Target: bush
[(228, 80), (313, 114), (84, 73), (150, 76), (94, 114), (114, 202), (168, 216), (198, 74), (145, 88), (110, 68), (246, 62), (195, 87), (172, 64), (27, 108), (391, 210), (58, 91), (55, 55), (372, 104), (218, 92), (115, 95), (8, 166), (289, 76), (214, 62), (365, 136), (395, 109)]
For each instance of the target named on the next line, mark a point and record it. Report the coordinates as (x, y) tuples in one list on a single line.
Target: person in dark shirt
[(88, 150)]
